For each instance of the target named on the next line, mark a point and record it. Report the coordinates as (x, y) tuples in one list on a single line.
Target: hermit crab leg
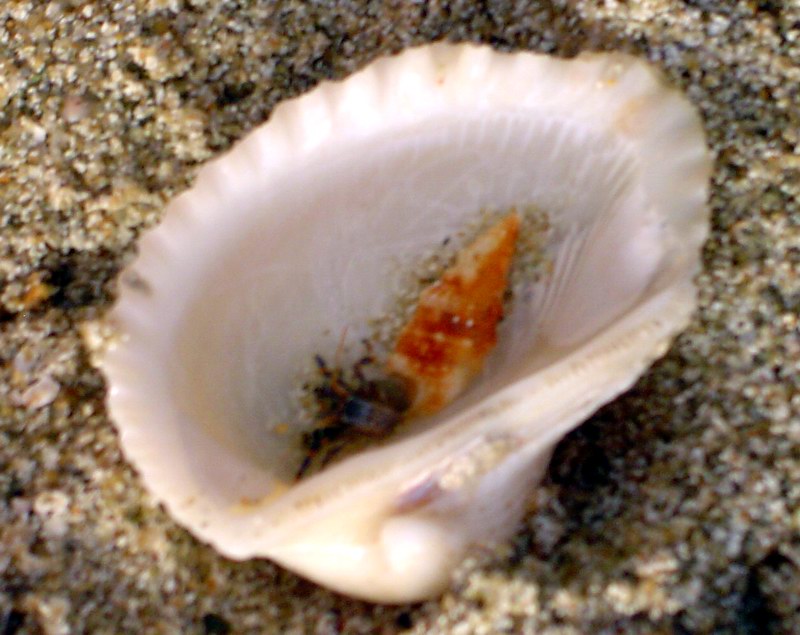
[(454, 327)]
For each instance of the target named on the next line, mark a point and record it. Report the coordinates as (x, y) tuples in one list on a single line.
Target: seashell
[(305, 229), (454, 326)]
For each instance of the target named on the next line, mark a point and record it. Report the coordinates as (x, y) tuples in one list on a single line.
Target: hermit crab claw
[(309, 227)]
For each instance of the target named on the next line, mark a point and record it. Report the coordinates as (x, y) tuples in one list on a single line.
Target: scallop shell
[(296, 234)]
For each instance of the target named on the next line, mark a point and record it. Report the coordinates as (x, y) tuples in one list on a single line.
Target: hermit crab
[(308, 227)]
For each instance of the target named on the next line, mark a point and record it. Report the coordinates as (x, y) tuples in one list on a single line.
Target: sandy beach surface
[(675, 509)]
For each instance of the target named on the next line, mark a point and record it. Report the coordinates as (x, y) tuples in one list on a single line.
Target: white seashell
[(297, 233)]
